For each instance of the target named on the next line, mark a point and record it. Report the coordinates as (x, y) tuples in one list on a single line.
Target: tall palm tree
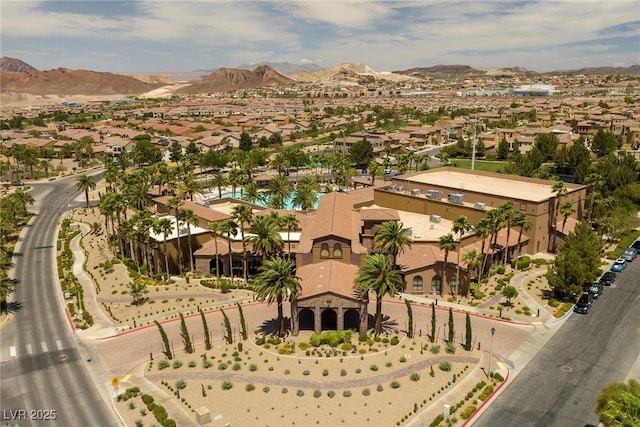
[(230, 228), (188, 217), (392, 239), (243, 215), (107, 208), (142, 223), (461, 225), (175, 203), (279, 190), (251, 193), (164, 226), (85, 183), (290, 223), (560, 191), (215, 228), (305, 197), (374, 169), (137, 194), (190, 187), (521, 220), (447, 243), (378, 275), (219, 180), (236, 178), (483, 230), (265, 237), (496, 223), (473, 260), (566, 210), (277, 282), (507, 215)]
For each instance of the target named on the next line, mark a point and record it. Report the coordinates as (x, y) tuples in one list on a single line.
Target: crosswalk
[(31, 349)]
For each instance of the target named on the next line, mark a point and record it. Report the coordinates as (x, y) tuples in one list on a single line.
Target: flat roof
[(501, 185)]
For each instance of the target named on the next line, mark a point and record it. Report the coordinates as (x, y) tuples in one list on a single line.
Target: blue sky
[(158, 35)]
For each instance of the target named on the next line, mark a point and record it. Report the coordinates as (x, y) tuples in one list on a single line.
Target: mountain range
[(16, 76)]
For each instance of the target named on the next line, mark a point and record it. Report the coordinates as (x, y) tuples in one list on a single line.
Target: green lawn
[(481, 165)]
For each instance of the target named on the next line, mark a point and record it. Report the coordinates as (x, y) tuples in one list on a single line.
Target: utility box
[(479, 205), (203, 416), (456, 198), (435, 218)]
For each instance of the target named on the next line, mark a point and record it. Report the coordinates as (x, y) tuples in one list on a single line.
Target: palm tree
[(461, 225), (277, 282), (374, 168), (279, 191), (447, 243), (290, 223), (230, 228), (507, 215), (243, 215), (566, 210), (85, 183), (219, 180), (473, 260), (265, 237), (483, 230), (189, 218), (137, 194), (175, 203), (392, 239), (305, 197), (251, 193), (164, 226), (45, 165), (236, 178), (378, 275), (496, 222), (560, 191), (190, 187), (215, 228), (142, 223), (522, 221)]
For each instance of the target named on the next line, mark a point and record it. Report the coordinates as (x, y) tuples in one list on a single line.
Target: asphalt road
[(42, 366), (560, 384)]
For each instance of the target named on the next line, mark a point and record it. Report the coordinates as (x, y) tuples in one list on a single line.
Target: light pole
[(493, 331)]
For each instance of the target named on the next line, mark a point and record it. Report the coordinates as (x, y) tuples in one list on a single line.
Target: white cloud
[(344, 13)]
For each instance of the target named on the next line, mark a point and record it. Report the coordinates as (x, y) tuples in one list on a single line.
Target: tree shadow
[(270, 326), (389, 326), (13, 307)]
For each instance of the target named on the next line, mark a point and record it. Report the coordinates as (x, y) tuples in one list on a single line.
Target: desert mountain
[(227, 79), (62, 81), (633, 70), (15, 65), (346, 74), (286, 68)]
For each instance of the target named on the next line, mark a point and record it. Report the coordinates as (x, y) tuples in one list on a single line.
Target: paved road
[(42, 365), (559, 386)]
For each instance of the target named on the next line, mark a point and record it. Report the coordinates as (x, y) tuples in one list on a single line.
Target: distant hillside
[(346, 74), (286, 68), (228, 79), (15, 65), (442, 72), (62, 81), (633, 70)]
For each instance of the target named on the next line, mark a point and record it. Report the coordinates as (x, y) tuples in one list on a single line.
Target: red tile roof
[(327, 276)]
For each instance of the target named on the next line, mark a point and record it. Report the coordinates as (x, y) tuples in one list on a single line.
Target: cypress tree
[(243, 323), (205, 327), (184, 333), (165, 340), (432, 337), (227, 325), (468, 336), (452, 331), (410, 316)]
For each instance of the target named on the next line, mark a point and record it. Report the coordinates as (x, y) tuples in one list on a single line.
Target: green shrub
[(249, 387), (163, 364), (266, 389), (394, 341), (394, 384), (450, 348), (414, 377), (500, 269), (331, 394), (303, 346), (435, 349), (177, 364), (317, 393), (523, 262), (496, 376), (366, 392), (147, 399), (437, 420), (253, 367), (300, 393), (403, 359), (379, 388), (467, 412), (332, 338), (226, 385), (554, 302), (445, 365), (346, 393), (373, 367), (485, 393), (222, 366)]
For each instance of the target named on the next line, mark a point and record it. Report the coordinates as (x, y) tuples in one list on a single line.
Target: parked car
[(584, 304), (636, 245), (596, 290), (17, 183), (629, 255), (619, 265), (608, 278)]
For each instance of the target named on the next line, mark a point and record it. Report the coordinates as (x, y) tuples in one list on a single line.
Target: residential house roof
[(327, 276)]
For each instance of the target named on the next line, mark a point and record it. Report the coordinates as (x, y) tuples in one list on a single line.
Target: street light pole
[(493, 331)]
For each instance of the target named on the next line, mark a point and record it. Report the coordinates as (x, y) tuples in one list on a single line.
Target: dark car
[(608, 278), (629, 254), (16, 183), (583, 305), (596, 290), (636, 245)]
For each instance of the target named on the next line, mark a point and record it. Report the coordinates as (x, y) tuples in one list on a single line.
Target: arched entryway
[(352, 319), (306, 319), (329, 320)]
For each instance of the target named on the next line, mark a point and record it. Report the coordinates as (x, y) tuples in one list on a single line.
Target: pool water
[(288, 203)]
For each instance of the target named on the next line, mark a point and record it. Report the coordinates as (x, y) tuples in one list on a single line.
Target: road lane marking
[(125, 379), (12, 351), (59, 344), (29, 349), (44, 346)]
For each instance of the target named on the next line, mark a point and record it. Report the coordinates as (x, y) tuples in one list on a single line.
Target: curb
[(486, 401)]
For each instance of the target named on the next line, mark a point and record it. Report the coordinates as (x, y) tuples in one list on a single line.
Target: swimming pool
[(288, 203)]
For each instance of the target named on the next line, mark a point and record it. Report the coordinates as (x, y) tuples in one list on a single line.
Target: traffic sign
[(115, 381)]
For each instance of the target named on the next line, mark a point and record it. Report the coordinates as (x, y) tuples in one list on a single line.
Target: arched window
[(324, 250), (337, 250), (436, 285), (453, 284), (417, 284)]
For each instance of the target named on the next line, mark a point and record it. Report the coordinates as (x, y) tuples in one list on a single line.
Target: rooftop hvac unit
[(407, 231), (456, 198), (433, 194), (478, 205), (435, 218), (415, 192)]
